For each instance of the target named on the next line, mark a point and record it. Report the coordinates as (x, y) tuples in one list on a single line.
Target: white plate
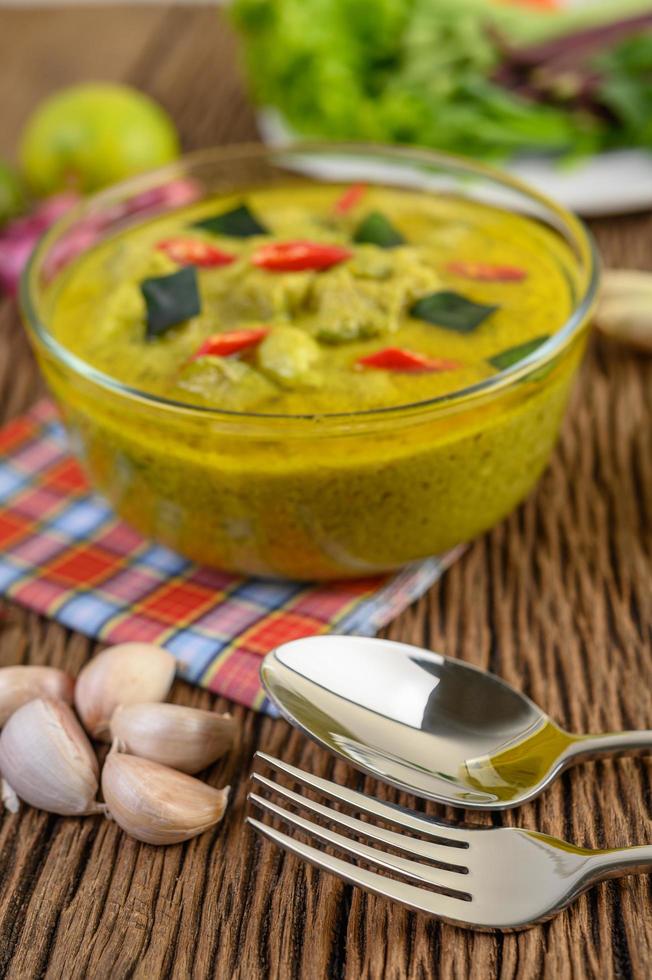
[(618, 182)]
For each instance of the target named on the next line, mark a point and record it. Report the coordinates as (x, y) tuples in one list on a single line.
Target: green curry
[(307, 301), (321, 322)]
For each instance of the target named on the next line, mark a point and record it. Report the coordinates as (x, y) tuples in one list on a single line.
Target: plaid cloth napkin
[(65, 554)]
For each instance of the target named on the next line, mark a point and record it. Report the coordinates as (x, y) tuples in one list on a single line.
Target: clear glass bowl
[(311, 497)]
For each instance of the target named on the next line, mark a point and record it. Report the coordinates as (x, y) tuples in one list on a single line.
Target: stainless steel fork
[(484, 878)]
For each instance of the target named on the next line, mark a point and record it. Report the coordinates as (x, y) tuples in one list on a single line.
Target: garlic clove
[(624, 310), (21, 684), (188, 739), (122, 674), (158, 805), (8, 798), (47, 760)]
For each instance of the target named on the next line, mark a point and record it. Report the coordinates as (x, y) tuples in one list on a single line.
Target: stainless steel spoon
[(432, 726)]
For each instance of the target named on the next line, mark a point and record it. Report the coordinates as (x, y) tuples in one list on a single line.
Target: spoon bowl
[(438, 728)]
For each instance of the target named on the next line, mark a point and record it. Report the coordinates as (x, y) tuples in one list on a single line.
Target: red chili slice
[(399, 359), (485, 272), (192, 251), (350, 198), (223, 344), (299, 256)]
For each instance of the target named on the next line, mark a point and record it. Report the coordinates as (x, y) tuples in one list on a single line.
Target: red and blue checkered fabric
[(65, 554)]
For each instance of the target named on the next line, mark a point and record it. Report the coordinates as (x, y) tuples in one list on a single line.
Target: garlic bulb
[(18, 685), (122, 674), (184, 738), (46, 759), (624, 309), (158, 805)]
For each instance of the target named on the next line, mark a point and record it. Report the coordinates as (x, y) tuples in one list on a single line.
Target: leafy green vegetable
[(604, 71), (512, 355), (170, 300), (626, 89), (420, 71), (376, 229), (237, 223), (452, 311)]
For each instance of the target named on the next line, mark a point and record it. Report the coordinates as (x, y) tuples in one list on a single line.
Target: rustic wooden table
[(558, 600)]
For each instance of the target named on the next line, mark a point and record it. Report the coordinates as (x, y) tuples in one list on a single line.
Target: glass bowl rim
[(495, 384)]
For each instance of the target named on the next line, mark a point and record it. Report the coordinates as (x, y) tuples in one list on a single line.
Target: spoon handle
[(596, 746)]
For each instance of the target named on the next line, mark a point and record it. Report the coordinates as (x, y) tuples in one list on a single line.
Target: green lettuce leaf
[(418, 71)]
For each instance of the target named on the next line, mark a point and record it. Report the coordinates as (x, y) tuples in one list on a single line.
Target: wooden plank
[(557, 600), (45, 49)]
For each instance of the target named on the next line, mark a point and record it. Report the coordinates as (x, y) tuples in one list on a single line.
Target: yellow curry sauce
[(460, 290)]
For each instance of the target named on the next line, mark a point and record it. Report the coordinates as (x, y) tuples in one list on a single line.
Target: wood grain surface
[(558, 600)]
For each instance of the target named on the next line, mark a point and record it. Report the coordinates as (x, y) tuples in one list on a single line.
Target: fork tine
[(427, 849), (421, 873), (418, 899), (444, 833)]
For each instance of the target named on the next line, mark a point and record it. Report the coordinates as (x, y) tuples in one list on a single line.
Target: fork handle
[(619, 862), (611, 743)]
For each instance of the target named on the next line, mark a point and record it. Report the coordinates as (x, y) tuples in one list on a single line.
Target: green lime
[(91, 135), (12, 200)]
